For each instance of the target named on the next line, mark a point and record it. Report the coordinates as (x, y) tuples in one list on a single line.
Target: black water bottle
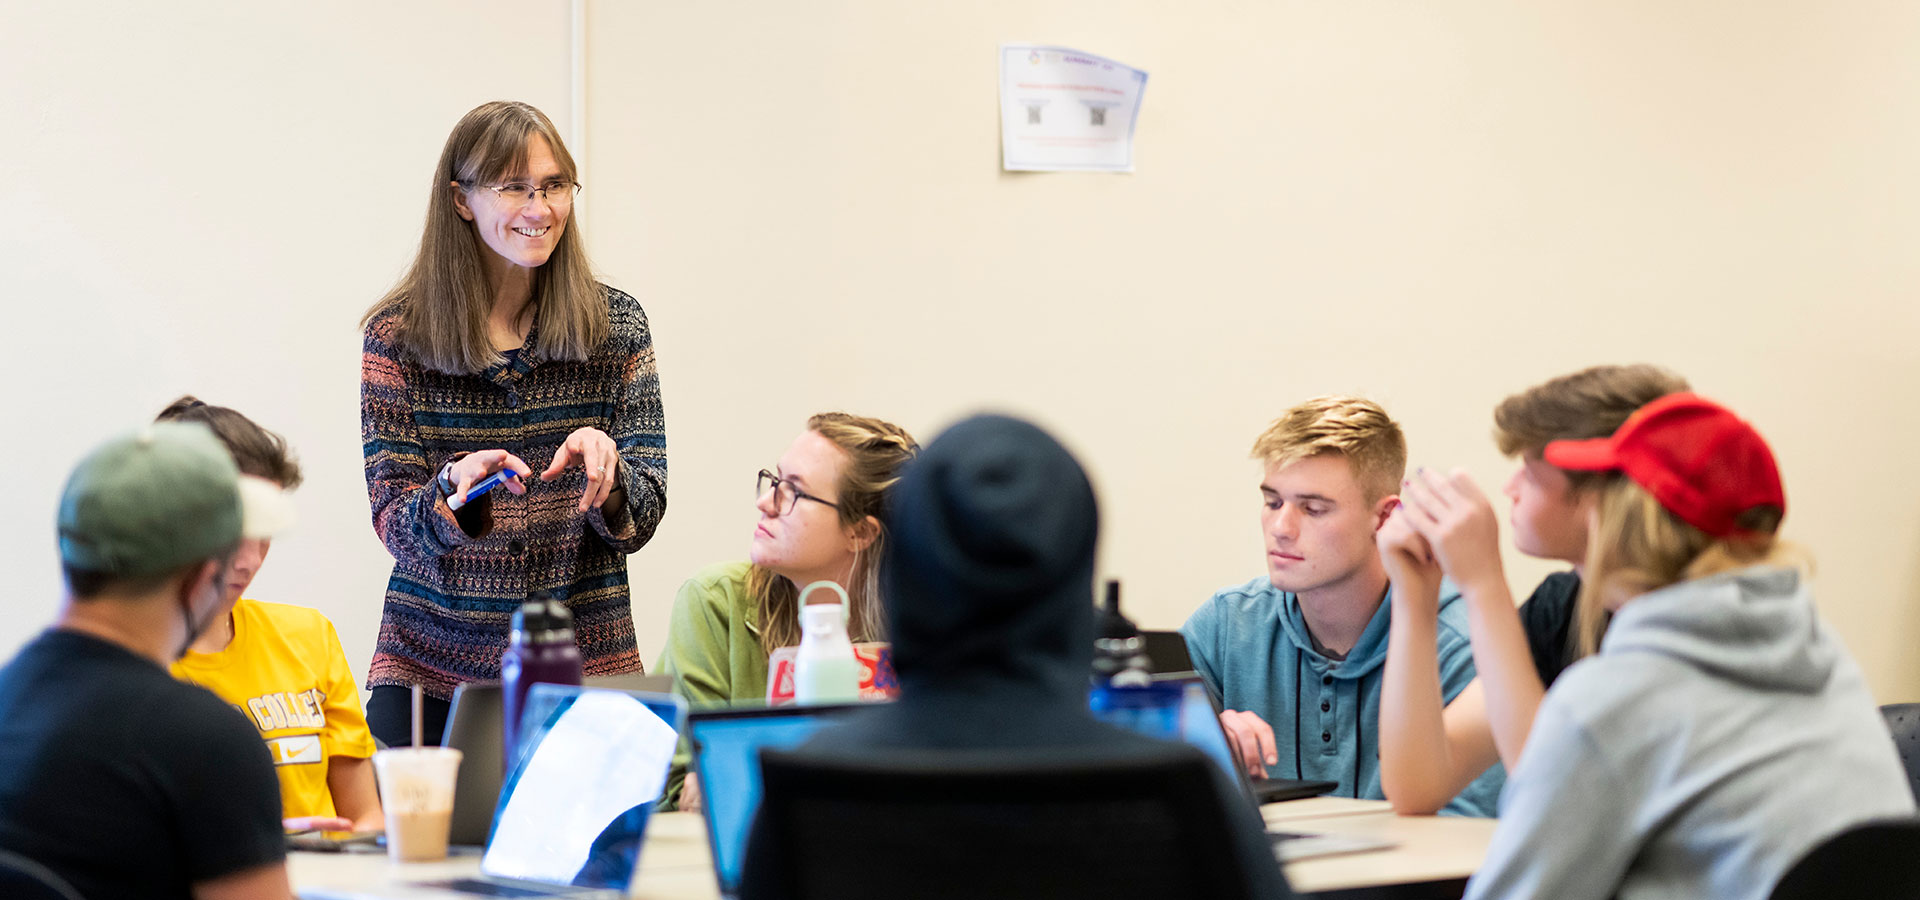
[(1119, 652)]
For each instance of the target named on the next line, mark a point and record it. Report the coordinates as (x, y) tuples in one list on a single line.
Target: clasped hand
[(1455, 526), (586, 448)]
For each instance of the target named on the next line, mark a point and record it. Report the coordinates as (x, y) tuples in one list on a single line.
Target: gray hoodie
[(1721, 733)]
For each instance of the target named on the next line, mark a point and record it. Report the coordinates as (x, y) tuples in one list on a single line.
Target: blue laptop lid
[(726, 747), (574, 808)]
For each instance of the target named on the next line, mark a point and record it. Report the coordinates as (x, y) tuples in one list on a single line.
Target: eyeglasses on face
[(785, 495), (559, 192)]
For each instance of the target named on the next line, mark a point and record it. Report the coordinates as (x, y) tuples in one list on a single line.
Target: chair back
[(972, 824), (1870, 861), (23, 879), (1903, 721)]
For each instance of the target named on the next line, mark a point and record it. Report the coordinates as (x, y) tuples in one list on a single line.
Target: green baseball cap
[(151, 501)]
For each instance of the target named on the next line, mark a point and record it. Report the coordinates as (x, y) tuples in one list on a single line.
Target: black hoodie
[(989, 590)]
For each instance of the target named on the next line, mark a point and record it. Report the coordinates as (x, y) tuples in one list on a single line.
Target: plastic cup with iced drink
[(416, 793)]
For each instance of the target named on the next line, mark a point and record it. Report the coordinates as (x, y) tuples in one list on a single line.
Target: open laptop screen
[(574, 809), (727, 744), (1173, 710)]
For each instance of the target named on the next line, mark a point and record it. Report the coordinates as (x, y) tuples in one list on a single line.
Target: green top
[(713, 650)]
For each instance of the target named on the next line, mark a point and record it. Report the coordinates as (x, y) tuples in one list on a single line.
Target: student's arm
[(347, 741), (1456, 520), (350, 781), (698, 656), (1429, 750), (1249, 735), (1565, 827), (257, 883)]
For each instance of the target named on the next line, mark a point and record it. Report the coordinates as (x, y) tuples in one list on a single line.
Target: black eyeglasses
[(785, 495)]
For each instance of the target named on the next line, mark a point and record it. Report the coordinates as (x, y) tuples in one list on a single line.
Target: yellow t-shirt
[(285, 671)]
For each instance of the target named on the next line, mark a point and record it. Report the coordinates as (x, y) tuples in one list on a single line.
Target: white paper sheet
[(1062, 110), (607, 754)]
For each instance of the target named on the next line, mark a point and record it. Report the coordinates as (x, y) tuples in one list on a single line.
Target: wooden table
[(1433, 857)]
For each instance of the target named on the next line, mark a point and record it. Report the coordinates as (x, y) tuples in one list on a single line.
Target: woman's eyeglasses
[(559, 192), (785, 495)]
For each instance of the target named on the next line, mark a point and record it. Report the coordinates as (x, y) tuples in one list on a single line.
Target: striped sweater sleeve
[(639, 431), (410, 514)]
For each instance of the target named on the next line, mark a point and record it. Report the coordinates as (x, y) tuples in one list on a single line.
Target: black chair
[(974, 824), (1865, 862), (23, 879), (1903, 720)]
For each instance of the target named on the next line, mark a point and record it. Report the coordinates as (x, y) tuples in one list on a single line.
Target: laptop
[(572, 815), (1170, 663), (1167, 651), (1178, 707), (726, 755), (474, 727)]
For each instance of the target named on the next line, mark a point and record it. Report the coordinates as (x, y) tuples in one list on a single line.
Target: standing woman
[(499, 352)]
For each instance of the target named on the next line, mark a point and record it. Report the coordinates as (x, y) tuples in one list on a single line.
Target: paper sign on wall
[(1062, 110)]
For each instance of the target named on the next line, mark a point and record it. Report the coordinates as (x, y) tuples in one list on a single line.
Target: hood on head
[(989, 567), (1755, 626)]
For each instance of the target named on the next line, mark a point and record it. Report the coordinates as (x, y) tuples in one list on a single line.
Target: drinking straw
[(417, 713)]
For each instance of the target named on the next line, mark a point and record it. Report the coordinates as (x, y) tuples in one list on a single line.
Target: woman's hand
[(590, 449), (475, 467)]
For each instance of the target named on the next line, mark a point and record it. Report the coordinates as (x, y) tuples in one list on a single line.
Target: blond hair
[(1590, 403), (444, 299), (1639, 546), (875, 452), (1353, 427)]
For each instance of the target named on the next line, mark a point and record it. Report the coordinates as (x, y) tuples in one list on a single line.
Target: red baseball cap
[(1703, 463)]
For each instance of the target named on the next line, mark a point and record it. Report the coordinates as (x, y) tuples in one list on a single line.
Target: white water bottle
[(825, 669)]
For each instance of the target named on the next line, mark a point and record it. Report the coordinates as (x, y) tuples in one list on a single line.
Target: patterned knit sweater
[(454, 588)]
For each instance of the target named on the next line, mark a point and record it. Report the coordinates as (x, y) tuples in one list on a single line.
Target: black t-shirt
[(1548, 618), (125, 782)]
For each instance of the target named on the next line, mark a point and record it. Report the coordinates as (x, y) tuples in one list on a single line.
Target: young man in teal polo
[(1297, 655)]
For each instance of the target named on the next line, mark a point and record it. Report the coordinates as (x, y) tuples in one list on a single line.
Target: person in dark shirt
[(1446, 527), (116, 777), (989, 592)]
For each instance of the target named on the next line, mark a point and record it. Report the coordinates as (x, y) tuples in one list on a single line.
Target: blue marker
[(485, 485)]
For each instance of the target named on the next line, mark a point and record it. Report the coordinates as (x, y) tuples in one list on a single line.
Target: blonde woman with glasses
[(822, 518), (499, 354)]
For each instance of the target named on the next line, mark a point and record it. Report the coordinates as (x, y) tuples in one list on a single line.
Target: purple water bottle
[(541, 648)]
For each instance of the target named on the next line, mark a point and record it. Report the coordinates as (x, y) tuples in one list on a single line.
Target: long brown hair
[(1638, 546), (444, 298), (875, 452)]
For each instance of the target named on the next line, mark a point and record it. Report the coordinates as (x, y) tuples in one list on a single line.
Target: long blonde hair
[(875, 451), (444, 299), (1638, 546)]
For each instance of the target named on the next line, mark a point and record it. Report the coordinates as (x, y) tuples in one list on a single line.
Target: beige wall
[(1432, 205)]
